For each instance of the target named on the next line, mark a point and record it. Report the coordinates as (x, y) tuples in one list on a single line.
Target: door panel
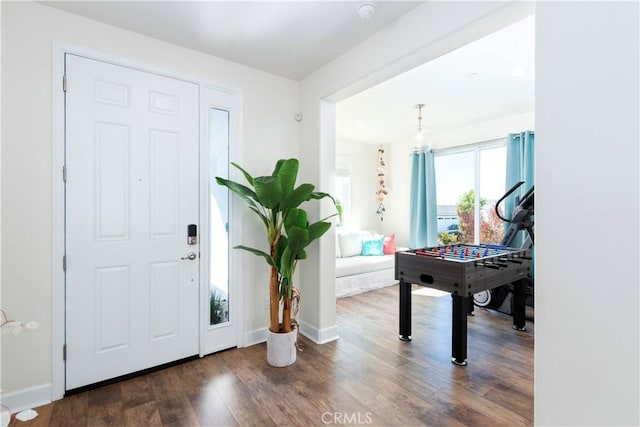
[(163, 297), (131, 191), (164, 182), (112, 181), (112, 304)]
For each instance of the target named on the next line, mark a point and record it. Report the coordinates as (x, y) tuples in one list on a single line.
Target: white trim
[(236, 207), (122, 62), (257, 336), (58, 232), (56, 389), (476, 200), (231, 100), (26, 398), (319, 336)]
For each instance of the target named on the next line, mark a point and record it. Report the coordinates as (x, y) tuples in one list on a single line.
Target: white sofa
[(357, 273)]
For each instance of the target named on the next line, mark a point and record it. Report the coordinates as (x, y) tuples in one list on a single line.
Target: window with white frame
[(469, 181), (343, 196), (343, 188)]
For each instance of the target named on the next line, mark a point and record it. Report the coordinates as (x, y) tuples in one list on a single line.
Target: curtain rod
[(470, 146), (465, 147), (459, 148)]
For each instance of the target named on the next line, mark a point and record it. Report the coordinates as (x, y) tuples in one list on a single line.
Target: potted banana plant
[(277, 202)]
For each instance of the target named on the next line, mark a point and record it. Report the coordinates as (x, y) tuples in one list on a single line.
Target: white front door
[(131, 193)]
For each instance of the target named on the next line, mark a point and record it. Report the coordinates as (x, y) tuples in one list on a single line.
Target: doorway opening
[(473, 98)]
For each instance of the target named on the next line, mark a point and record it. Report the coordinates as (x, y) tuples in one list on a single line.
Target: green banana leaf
[(287, 171), (269, 190), (301, 194), (258, 252), (246, 174)]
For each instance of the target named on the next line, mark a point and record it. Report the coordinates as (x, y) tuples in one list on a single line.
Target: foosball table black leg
[(405, 311), (460, 308), (518, 309)]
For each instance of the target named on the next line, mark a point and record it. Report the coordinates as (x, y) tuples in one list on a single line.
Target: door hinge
[(64, 262), (64, 83), (64, 352), (64, 173)]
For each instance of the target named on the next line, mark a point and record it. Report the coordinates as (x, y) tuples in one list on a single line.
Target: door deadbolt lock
[(190, 255), (192, 234)]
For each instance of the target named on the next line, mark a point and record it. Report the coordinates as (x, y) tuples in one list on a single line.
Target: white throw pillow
[(350, 244)]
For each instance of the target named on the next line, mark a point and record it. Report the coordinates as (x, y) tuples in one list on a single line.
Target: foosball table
[(462, 270)]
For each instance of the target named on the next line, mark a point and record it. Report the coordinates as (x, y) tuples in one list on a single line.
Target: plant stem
[(273, 301), (286, 313)]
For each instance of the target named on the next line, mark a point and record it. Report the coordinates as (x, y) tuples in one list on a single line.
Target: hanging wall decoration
[(382, 189)]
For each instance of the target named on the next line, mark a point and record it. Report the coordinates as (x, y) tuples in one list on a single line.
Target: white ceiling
[(468, 86), (288, 38), (294, 38)]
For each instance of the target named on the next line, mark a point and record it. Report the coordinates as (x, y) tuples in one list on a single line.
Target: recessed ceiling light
[(473, 75)]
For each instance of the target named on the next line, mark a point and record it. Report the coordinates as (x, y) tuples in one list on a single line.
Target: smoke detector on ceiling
[(366, 9)]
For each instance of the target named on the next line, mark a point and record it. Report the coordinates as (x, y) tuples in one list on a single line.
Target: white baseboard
[(256, 336), (6, 418), (27, 398), (319, 336)]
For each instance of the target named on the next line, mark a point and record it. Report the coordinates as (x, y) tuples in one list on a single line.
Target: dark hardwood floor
[(367, 377)]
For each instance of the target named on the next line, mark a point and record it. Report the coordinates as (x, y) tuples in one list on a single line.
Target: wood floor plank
[(177, 412), (71, 411), (211, 409), (368, 376), (143, 415), (111, 393), (105, 414), (166, 384), (241, 402), (135, 392)]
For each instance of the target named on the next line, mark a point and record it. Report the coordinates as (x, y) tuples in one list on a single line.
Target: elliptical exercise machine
[(499, 298)]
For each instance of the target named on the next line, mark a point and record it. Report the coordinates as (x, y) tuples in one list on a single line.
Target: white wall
[(398, 201), (485, 131), (28, 31), (364, 184), (587, 135)]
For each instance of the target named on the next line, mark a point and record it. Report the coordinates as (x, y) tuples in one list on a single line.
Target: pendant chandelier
[(419, 138)]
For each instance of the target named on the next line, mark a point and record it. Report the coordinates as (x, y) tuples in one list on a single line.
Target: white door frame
[(58, 200), (223, 98)]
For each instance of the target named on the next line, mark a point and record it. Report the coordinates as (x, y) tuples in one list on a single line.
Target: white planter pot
[(281, 348)]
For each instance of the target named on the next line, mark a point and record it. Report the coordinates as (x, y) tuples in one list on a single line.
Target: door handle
[(190, 255)]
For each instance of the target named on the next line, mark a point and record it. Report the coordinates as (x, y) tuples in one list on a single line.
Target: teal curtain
[(423, 221), (520, 167)]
